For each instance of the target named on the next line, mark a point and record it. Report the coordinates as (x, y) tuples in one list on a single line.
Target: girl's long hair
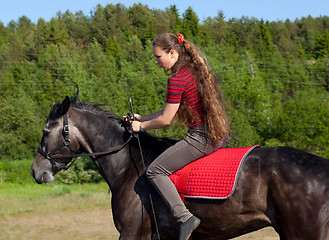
[(217, 124)]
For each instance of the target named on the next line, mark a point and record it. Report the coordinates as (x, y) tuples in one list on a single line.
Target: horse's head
[(57, 148)]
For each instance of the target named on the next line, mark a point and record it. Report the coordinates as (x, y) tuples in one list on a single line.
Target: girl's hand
[(137, 117), (136, 126)]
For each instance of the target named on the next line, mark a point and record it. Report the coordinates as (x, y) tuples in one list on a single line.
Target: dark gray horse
[(281, 187)]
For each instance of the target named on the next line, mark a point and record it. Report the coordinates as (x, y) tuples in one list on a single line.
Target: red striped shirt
[(183, 87)]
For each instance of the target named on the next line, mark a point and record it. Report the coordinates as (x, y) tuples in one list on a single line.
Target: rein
[(51, 156)]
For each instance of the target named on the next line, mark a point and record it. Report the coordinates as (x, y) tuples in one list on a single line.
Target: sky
[(271, 10)]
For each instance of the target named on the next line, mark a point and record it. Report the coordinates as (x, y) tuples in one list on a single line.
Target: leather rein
[(52, 156)]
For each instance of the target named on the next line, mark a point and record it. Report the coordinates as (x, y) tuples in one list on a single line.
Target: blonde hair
[(211, 98)]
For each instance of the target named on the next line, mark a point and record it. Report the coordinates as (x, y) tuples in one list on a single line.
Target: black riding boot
[(186, 228)]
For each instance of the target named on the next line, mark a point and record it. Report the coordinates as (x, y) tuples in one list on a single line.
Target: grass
[(32, 211), (19, 198), (20, 194), (15, 171)]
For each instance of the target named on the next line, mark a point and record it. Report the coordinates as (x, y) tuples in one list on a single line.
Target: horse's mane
[(96, 109), (86, 106)]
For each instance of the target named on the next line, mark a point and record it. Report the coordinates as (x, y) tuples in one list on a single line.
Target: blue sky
[(272, 10)]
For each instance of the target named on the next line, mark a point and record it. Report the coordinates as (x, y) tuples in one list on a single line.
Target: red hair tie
[(180, 38)]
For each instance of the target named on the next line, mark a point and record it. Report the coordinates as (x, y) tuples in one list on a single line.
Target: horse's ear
[(64, 107), (75, 99)]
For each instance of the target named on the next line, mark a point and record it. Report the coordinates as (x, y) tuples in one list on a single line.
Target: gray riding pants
[(192, 147)]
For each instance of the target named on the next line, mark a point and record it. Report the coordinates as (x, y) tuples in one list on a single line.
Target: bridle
[(52, 156)]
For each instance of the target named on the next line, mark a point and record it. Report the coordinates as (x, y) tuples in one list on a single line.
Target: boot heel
[(188, 227)]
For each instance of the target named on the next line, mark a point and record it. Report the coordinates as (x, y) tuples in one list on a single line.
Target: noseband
[(51, 156)]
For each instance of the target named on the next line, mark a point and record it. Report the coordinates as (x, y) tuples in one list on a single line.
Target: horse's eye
[(46, 132)]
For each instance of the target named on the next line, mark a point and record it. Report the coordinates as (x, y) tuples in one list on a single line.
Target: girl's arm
[(161, 119), (150, 116)]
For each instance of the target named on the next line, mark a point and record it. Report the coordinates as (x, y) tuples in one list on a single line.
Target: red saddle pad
[(213, 176)]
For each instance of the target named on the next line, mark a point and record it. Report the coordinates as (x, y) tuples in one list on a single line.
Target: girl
[(192, 95)]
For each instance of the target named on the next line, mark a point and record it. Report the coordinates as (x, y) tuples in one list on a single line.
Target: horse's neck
[(98, 134), (101, 135)]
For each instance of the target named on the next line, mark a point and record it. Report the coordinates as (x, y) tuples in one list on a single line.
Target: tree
[(57, 33), (99, 29), (304, 122), (140, 17), (78, 27), (19, 126), (190, 24), (113, 48), (322, 45), (217, 27), (175, 21)]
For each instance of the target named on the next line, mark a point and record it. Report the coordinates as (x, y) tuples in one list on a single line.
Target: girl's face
[(163, 59)]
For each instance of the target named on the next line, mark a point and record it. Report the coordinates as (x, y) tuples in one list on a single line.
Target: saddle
[(213, 176)]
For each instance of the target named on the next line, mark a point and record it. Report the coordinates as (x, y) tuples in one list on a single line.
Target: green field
[(55, 211), (51, 211), (16, 199)]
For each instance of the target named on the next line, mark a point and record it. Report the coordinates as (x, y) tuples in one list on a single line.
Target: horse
[(282, 187)]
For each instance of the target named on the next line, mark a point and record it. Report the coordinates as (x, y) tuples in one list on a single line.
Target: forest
[(274, 75)]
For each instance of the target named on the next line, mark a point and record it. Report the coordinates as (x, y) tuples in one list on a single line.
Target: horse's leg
[(304, 231), (130, 217), (165, 225), (129, 222), (133, 214)]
